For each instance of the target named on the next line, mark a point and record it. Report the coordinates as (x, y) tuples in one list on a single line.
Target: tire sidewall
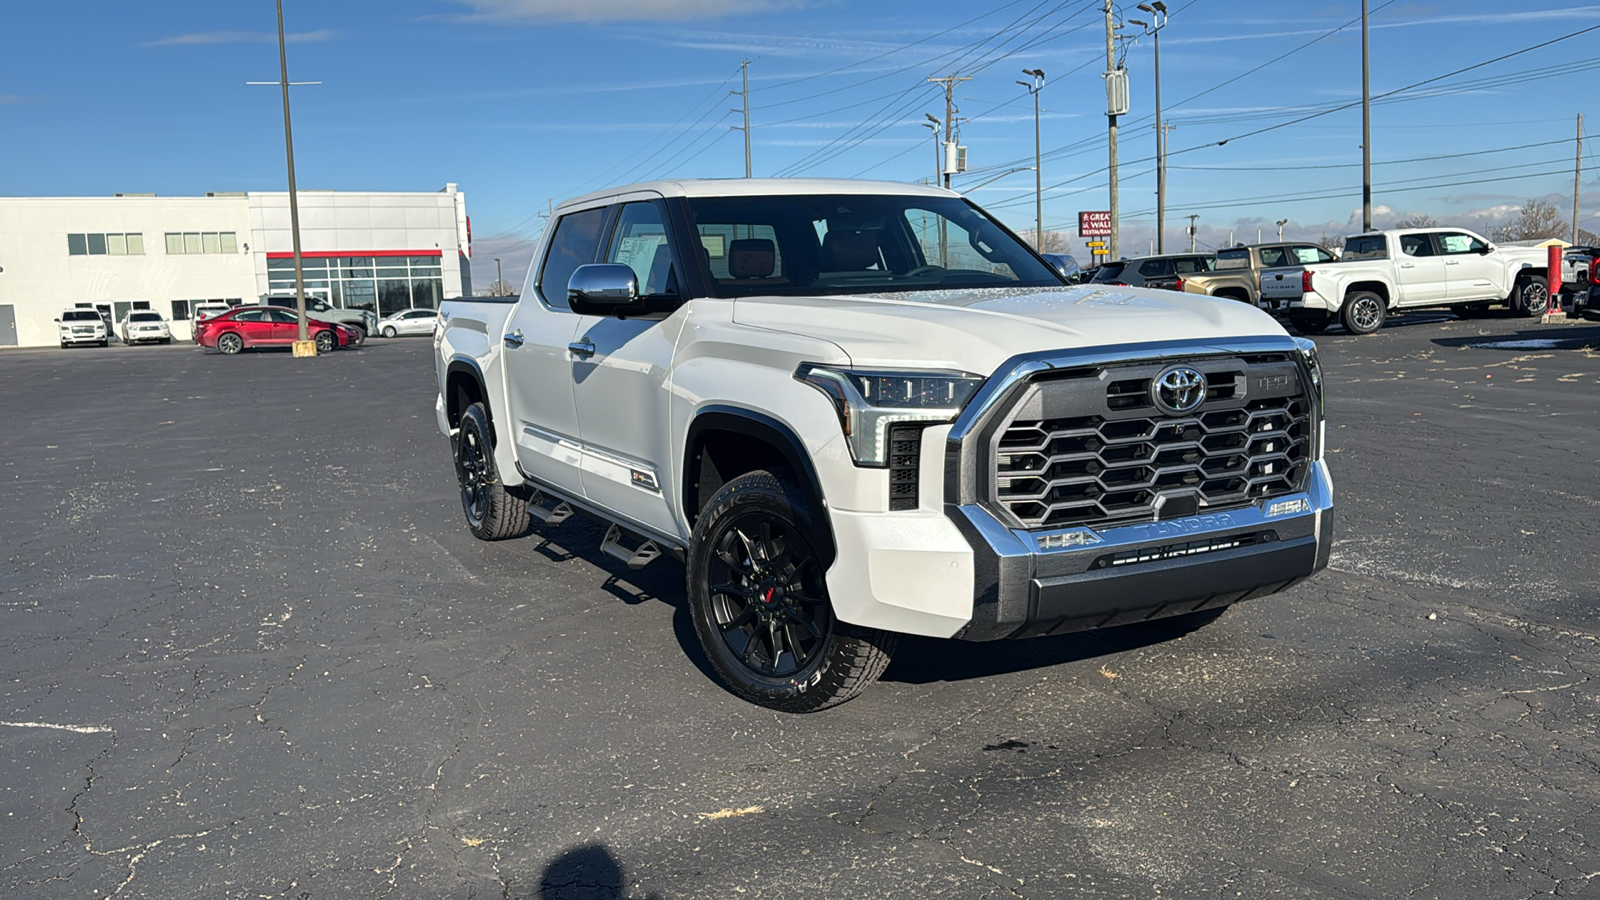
[(1524, 305), (764, 492), (475, 419), (1347, 315)]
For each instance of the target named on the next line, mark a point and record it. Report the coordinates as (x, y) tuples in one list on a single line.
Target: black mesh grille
[(905, 455), (1123, 460)]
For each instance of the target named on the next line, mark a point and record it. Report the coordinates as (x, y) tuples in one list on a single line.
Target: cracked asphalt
[(250, 650)]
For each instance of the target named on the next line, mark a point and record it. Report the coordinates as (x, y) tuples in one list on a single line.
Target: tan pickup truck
[(1238, 271)]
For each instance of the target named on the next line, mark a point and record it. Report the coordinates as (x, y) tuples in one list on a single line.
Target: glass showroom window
[(103, 244)]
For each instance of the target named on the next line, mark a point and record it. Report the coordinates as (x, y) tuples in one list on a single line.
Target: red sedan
[(266, 326)]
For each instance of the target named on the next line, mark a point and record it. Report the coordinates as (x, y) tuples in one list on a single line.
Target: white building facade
[(383, 251)]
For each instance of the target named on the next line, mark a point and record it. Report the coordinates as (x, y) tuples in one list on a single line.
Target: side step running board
[(638, 557), (548, 515)]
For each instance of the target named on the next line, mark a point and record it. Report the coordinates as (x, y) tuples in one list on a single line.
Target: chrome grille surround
[(1074, 438)]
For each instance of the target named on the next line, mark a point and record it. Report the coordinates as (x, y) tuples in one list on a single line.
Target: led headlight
[(868, 402)]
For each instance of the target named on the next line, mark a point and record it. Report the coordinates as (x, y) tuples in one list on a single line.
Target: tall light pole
[(938, 152), (499, 280), (1281, 223), (1158, 21), (1038, 173), (1366, 128), (302, 346)]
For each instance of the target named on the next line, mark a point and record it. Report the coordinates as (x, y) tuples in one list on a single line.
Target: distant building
[(384, 251)]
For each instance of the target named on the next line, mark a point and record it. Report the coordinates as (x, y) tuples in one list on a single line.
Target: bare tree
[(1417, 220), (1537, 221), (1588, 238), (499, 289), (1054, 241)]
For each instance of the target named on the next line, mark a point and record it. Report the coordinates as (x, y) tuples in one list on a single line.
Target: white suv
[(82, 326)]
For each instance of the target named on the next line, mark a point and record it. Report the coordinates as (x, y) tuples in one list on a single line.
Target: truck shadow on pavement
[(921, 660), (918, 660), (1577, 338)]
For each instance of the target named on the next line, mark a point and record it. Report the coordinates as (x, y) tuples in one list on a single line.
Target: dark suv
[(1155, 271)]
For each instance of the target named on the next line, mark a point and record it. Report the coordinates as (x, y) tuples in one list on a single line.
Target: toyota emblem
[(1178, 390)]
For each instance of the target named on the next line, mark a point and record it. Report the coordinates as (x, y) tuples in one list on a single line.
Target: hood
[(976, 331)]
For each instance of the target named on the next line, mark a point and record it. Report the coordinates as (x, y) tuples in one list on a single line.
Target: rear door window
[(1111, 271), (1416, 245), (1156, 268), (576, 242), (1271, 257), (1369, 246)]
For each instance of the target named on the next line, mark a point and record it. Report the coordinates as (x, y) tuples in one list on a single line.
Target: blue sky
[(520, 101)]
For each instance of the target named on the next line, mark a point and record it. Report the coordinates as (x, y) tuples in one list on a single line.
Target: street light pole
[(1366, 128), (1281, 223), (499, 280), (1038, 172), (294, 202), (1158, 20), (938, 154)]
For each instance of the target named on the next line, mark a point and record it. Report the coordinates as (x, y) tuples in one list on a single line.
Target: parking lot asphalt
[(249, 649)]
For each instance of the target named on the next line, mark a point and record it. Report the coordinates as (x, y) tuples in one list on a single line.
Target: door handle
[(1408, 265), (1452, 262), (514, 339), (581, 349)]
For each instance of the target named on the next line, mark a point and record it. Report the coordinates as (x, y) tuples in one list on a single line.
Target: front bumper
[(1052, 582), (83, 338)]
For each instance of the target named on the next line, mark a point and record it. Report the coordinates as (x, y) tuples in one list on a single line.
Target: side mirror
[(1484, 250), (604, 289)]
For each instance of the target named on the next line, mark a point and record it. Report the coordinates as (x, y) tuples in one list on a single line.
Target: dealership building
[(382, 251)]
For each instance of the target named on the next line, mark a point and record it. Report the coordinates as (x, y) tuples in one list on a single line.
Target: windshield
[(144, 317), (80, 315), (850, 244)]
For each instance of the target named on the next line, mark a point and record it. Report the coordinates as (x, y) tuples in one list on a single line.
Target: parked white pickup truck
[(857, 410), (1389, 270)]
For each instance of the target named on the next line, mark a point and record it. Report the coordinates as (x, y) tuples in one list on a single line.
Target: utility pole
[(950, 82), (1158, 20), (1366, 127), (1193, 231), (1577, 173), (1111, 134), (1038, 176), (744, 69)]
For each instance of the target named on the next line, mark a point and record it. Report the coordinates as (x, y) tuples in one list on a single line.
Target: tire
[(389, 331), (106, 342), (326, 342), (166, 341), (493, 514), (760, 606), (1531, 296), (229, 344), (1363, 312), (360, 336), (1310, 323)]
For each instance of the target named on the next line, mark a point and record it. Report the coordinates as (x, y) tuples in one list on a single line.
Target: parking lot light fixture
[(1034, 88)]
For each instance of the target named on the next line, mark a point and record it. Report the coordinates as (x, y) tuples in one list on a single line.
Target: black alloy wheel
[(767, 595), (326, 342), (760, 606), (492, 512)]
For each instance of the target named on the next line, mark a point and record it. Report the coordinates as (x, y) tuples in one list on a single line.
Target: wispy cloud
[(619, 10), (9, 99), (238, 37)]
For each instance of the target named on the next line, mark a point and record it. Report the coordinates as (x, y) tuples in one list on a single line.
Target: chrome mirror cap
[(602, 284)]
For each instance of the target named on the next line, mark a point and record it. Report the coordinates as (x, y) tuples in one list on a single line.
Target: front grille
[(1096, 450)]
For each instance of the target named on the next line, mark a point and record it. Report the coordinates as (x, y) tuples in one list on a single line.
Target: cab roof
[(755, 187)]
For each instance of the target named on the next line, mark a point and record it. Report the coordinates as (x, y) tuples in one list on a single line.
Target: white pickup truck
[(1389, 270), (857, 410)]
